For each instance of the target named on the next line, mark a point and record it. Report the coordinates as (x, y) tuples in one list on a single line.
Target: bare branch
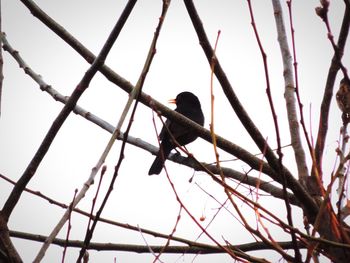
[(8, 252), (328, 91), (255, 246), (289, 92)]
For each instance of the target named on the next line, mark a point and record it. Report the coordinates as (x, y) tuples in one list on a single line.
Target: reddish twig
[(69, 226), (103, 171), (212, 98), (274, 117), (322, 11), (267, 79), (170, 236)]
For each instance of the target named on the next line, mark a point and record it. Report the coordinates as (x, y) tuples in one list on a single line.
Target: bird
[(343, 99), (188, 105)]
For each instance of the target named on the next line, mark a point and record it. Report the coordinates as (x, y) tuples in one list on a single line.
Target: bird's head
[(185, 98)]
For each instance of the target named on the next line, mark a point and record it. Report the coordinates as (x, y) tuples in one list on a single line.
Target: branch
[(8, 252), (208, 249), (299, 152), (328, 91)]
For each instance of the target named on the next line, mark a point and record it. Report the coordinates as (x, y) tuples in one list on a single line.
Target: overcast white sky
[(179, 65)]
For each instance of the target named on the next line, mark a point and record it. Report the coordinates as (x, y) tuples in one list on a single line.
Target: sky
[(179, 65)]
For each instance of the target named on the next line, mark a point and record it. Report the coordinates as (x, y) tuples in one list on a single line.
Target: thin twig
[(171, 234), (103, 171), (69, 226), (322, 11), (296, 79)]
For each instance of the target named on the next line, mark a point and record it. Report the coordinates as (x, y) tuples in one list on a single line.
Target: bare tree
[(324, 234)]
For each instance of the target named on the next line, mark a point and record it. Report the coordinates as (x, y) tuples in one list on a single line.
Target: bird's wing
[(163, 131)]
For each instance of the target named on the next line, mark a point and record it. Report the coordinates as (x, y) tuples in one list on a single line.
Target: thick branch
[(299, 152), (203, 249), (8, 252)]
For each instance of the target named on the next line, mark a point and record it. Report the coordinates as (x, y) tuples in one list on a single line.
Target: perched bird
[(188, 105), (343, 99)]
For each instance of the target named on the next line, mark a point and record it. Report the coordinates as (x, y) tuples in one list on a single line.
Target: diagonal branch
[(62, 116)]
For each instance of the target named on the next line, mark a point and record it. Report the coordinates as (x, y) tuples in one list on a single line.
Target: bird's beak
[(173, 101)]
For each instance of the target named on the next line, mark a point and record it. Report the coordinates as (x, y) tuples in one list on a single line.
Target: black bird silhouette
[(188, 105)]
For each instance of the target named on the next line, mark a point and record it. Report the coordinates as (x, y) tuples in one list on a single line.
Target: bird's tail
[(158, 163)]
